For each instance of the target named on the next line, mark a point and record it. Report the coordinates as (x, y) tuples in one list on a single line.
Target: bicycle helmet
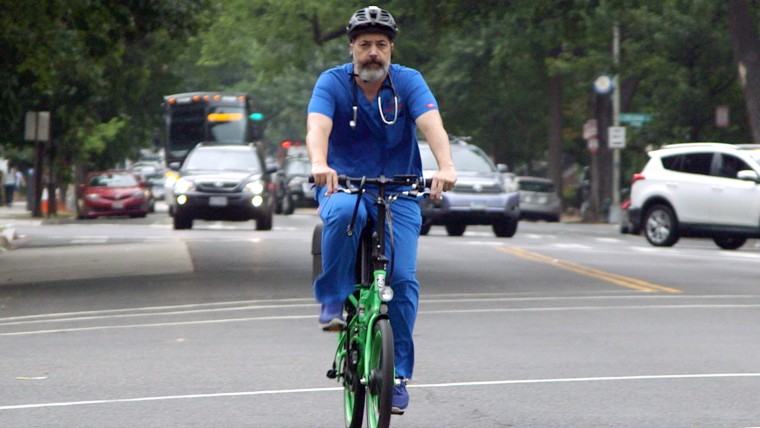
[(371, 19)]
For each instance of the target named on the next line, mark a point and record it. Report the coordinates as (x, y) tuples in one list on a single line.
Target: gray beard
[(371, 74)]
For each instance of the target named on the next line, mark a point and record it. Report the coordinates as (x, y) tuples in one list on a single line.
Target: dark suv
[(480, 196), (223, 182)]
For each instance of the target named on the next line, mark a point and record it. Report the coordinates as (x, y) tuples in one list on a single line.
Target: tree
[(746, 47)]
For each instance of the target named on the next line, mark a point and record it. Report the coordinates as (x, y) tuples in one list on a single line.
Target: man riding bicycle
[(362, 121)]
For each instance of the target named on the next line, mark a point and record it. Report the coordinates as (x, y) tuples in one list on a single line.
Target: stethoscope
[(387, 84)]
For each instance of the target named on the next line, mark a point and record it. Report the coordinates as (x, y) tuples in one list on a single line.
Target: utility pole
[(615, 206)]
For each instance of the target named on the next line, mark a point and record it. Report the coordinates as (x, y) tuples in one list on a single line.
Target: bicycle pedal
[(332, 374)]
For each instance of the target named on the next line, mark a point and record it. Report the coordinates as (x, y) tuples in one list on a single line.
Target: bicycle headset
[(372, 19)]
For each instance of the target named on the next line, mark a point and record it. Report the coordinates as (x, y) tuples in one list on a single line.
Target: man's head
[(371, 19), (371, 32)]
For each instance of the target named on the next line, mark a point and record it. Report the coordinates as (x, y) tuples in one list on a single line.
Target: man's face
[(371, 56)]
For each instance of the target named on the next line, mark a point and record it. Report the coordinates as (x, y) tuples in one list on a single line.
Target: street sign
[(635, 119), (616, 137), (589, 129), (593, 145), (37, 126)]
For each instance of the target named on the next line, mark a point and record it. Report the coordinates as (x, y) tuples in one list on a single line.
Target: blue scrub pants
[(339, 259)]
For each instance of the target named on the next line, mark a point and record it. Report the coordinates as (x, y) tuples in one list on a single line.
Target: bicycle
[(364, 359)]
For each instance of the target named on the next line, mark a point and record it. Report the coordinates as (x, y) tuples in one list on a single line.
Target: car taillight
[(637, 177)]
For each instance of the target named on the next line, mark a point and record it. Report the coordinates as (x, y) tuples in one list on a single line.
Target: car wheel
[(504, 228), (426, 225), (265, 221), (661, 226), (456, 229), (182, 221), (730, 242), (316, 252), (288, 206)]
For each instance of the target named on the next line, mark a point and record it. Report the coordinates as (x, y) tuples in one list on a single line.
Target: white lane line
[(421, 386), (425, 312)]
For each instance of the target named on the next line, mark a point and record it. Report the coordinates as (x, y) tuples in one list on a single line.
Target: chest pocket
[(394, 133)]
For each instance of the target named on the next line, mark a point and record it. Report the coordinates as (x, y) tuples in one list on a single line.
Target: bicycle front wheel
[(381, 379), (353, 391)]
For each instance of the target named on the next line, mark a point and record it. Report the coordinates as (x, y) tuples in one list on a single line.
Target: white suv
[(698, 190)]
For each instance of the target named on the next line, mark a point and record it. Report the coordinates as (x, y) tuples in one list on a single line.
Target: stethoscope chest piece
[(385, 85)]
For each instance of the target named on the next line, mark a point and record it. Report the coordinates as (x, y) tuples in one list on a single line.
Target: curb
[(7, 235)]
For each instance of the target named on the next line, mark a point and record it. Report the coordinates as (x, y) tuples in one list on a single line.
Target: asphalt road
[(125, 322)]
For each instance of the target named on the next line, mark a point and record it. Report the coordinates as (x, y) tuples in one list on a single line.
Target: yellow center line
[(625, 281)]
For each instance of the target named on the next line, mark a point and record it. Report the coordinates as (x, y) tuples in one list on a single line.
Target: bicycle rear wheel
[(381, 379)]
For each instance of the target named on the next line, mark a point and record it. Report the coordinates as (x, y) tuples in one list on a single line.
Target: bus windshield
[(204, 117)]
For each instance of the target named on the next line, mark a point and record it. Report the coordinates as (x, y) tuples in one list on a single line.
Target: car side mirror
[(502, 167), (174, 166), (749, 175)]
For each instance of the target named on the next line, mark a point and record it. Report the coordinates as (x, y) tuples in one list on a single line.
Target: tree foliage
[(516, 76)]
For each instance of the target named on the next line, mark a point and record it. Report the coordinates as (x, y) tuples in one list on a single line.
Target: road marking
[(625, 281), (420, 386), (423, 312)]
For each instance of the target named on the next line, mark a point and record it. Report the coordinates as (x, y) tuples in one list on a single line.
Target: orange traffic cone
[(44, 202)]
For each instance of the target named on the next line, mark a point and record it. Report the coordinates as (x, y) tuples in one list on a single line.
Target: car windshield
[(222, 160), (537, 186), (113, 180), (755, 154), (465, 159)]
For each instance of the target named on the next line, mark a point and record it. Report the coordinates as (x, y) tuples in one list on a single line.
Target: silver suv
[(707, 190)]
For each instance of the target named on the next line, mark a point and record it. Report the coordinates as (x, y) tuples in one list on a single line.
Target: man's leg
[(338, 253), (402, 310)]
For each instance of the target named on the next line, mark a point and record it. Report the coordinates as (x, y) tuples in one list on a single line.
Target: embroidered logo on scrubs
[(430, 105)]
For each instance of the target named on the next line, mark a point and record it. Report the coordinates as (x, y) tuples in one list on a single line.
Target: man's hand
[(325, 176), (443, 181)]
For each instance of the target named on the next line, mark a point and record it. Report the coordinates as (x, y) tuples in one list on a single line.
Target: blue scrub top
[(373, 148)]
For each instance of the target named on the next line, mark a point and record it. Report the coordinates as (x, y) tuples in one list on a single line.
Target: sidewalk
[(17, 214)]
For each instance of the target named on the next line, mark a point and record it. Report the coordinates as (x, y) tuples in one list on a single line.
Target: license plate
[(117, 206), (217, 201), (478, 205)]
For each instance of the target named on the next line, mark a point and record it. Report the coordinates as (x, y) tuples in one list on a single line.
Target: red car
[(113, 193)]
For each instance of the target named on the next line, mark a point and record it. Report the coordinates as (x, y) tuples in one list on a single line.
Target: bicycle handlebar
[(417, 182)]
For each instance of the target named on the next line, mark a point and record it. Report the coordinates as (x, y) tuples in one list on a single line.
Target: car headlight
[(93, 196), (183, 185), (139, 194), (255, 187)]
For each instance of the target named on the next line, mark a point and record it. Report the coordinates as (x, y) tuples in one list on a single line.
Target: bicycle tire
[(381, 375), (353, 392)]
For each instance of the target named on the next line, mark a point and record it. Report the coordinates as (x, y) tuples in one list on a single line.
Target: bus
[(208, 117)]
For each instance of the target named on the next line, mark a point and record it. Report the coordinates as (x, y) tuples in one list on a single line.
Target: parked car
[(156, 183), (480, 195), (113, 193), (707, 190), (223, 182), (539, 199), (293, 187)]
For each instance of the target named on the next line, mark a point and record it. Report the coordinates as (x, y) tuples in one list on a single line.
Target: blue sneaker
[(331, 317), (400, 399)]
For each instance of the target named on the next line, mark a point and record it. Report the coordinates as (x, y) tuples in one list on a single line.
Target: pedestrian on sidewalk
[(13, 180)]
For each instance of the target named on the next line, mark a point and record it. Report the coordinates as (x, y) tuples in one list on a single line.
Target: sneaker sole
[(335, 325), (397, 411)]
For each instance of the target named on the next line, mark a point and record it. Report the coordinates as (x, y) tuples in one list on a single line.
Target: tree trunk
[(746, 45), (555, 131)]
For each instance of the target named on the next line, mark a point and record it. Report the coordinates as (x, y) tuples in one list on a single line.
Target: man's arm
[(318, 128), (431, 125)]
